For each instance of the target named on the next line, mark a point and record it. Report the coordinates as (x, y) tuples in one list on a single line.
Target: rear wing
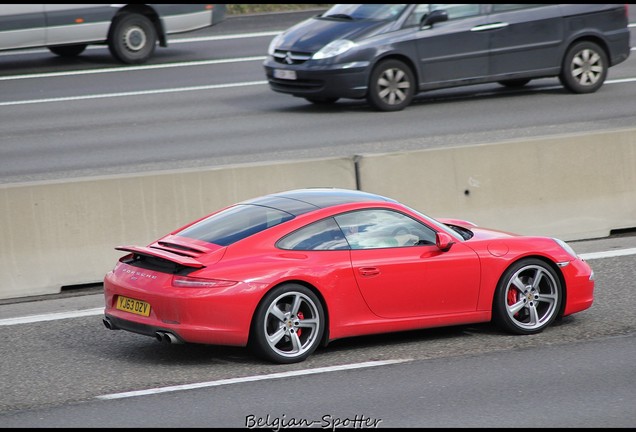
[(158, 253)]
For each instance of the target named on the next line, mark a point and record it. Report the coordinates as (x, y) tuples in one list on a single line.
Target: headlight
[(273, 44), (333, 49), (566, 247)]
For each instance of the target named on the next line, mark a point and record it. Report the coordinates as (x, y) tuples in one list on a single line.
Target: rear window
[(235, 223)]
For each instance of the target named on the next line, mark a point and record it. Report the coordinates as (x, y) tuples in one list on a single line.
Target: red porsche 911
[(288, 272)]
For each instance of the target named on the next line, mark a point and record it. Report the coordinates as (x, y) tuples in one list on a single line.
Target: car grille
[(291, 57), (295, 86)]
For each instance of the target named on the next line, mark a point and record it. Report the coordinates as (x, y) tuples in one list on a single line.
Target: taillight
[(192, 282)]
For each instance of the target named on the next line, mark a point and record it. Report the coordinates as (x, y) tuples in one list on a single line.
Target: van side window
[(502, 7), (456, 11)]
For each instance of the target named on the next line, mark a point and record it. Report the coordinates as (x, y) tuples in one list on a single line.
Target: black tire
[(132, 38), (322, 101), (528, 297), (584, 68), (288, 324), (391, 86), (68, 50), (514, 83)]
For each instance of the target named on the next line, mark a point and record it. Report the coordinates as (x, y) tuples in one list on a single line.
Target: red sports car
[(286, 272)]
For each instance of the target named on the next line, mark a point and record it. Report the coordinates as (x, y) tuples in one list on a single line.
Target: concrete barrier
[(576, 186), (61, 233)]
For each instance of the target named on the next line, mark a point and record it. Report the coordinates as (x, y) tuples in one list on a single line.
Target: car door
[(525, 38), (21, 26), (452, 50), (401, 273)]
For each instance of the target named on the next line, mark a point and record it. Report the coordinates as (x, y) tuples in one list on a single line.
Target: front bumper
[(579, 278), (347, 81)]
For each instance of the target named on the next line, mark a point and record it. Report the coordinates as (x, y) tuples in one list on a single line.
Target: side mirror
[(444, 241), (436, 16)]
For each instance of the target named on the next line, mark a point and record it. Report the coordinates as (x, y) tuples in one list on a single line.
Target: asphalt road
[(55, 370), (60, 368), (204, 102)]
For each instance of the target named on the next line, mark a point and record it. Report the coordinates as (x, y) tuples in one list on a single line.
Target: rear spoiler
[(175, 258)]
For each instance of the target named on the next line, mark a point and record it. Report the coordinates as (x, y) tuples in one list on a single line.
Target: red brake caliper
[(300, 317), (513, 297)]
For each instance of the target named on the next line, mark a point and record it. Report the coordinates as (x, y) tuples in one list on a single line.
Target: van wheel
[(132, 39), (68, 50), (584, 68), (391, 87)]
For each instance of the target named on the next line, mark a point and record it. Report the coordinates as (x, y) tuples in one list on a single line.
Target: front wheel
[(391, 87), (68, 50), (528, 297), (584, 68), (132, 39), (288, 324)]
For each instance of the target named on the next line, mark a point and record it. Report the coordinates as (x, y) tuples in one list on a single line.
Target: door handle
[(493, 26), (369, 271)]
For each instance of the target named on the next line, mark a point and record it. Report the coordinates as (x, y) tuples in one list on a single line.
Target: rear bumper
[(206, 316)]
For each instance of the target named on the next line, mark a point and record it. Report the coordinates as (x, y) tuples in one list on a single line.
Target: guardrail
[(576, 186)]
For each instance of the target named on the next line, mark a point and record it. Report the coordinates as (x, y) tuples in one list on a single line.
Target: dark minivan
[(387, 53)]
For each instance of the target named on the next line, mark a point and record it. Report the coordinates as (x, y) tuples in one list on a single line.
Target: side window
[(415, 19), (321, 235), (456, 11), (380, 228), (502, 7)]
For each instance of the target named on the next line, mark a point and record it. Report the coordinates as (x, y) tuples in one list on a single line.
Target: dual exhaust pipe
[(161, 336), (166, 337)]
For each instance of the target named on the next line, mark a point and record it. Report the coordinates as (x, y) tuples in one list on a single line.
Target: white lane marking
[(135, 93), (224, 37), (196, 88), (51, 316), (98, 311), (132, 68), (608, 254), (249, 379), (170, 42)]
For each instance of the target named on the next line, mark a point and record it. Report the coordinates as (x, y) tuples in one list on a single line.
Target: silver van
[(387, 53), (131, 31)]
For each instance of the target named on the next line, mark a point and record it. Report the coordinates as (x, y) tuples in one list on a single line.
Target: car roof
[(299, 201)]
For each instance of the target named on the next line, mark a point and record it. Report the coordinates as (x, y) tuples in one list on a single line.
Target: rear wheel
[(528, 297), (288, 324), (392, 86), (584, 68), (68, 50), (132, 39)]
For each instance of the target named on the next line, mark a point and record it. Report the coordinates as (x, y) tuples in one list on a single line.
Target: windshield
[(379, 12)]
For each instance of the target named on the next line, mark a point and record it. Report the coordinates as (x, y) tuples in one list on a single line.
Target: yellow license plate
[(133, 306)]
